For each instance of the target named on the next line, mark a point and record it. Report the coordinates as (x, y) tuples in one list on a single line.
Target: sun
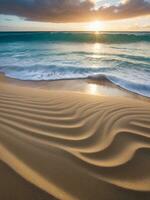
[(95, 26)]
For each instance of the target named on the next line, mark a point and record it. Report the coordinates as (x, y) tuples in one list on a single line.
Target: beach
[(63, 142)]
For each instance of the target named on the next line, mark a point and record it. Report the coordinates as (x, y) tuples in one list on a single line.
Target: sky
[(75, 15)]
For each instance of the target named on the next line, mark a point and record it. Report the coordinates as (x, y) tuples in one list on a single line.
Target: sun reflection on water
[(95, 56), (96, 47)]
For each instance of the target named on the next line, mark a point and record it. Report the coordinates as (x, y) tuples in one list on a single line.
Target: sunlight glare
[(92, 89), (96, 47), (95, 26)]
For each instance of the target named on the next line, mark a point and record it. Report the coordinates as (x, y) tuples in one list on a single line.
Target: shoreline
[(99, 86)]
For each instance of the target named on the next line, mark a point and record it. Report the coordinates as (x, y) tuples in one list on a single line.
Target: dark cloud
[(47, 10), (72, 10)]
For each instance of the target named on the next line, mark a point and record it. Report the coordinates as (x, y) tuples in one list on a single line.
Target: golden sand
[(73, 146)]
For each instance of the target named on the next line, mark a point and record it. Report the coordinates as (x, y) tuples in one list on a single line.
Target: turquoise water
[(123, 57)]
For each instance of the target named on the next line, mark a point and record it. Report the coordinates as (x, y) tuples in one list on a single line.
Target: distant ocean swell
[(75, 37)]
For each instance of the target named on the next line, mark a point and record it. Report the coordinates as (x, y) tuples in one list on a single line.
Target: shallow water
[(122, 57)]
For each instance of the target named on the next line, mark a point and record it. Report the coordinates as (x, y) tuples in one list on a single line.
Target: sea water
[(123, 57)]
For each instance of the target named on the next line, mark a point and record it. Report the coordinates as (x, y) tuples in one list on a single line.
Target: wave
[(141, 89), (53, 72), (88, 37), (62, 55)]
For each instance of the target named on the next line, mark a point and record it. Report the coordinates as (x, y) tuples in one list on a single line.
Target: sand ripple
[(75, 146)]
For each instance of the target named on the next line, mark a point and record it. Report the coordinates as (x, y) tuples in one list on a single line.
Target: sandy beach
[(71, 145)]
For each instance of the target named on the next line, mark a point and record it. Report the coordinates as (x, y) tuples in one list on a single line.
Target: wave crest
[(88, 37)]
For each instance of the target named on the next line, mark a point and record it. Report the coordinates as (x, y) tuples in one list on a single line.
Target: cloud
[(73, 10), (126, 9), (47, 10)]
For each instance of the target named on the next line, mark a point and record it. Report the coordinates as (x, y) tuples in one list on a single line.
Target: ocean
[(123, 57)]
